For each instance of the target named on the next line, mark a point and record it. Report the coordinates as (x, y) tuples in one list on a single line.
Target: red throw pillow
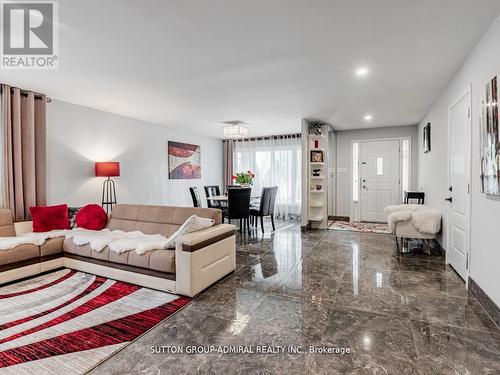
[(49, 218), (91, 217)]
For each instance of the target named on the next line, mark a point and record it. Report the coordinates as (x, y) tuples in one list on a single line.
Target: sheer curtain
[(275, 161)]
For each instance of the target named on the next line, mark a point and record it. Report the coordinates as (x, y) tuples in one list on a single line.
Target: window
[(275, 162), (380, 166), (405, 170), (355, 172)]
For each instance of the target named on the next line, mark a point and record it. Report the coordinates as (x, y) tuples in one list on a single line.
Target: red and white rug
[(66, 322), (359, 227)]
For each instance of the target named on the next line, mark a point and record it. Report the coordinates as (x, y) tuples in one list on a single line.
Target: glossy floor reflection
[(399, 314)]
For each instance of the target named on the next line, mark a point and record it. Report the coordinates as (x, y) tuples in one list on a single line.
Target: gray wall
[(482, 65), (344, 159), (78, 136)]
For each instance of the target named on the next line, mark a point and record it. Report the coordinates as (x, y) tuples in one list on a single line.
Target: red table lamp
[(108, 169)]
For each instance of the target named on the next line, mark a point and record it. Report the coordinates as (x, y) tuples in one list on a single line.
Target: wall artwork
[(490, 140), (184, 161), (317, 156), (427, 137)]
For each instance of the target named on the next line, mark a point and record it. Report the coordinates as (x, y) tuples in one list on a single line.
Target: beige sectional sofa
[(198, 260)]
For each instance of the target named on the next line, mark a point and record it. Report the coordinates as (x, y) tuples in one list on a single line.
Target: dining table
[(223, 198)]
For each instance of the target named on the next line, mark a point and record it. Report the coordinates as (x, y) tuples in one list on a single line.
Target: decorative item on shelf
[(315, 129), (244, 179), (316, 172), (427, 137), (316, 143), (316, 156), (490, 140), (108, 169), (317, 187), (184, 161)]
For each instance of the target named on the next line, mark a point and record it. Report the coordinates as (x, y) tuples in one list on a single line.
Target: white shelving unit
[(316, 182)]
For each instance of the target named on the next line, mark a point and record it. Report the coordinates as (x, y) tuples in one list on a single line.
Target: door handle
[(364, 187), (450, 199)]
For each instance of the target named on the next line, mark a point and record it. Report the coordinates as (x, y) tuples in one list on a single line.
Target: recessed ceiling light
[(368, 117), (362, 72)]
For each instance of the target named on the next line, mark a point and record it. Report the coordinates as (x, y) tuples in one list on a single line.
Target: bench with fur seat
[(413, 221)]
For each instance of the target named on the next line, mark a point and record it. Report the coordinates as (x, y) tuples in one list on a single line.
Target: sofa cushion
[(52, 246), (192, 224), (6, 223), (164, 220), (19, 253), (72, 211), (91, 217), (50, 218), (158, 260)]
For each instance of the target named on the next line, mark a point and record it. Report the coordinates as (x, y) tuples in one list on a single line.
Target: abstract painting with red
[(184, 161)]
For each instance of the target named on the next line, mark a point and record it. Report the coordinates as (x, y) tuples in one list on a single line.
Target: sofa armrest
[(197, 240), (22, 227), (204, 257)]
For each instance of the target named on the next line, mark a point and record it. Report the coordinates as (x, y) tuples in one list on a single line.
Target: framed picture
[(427, 137), (184, 161), (317, 156), (490, 140)]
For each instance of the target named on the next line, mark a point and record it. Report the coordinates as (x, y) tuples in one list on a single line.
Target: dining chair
[(266, 206), (195, 196), (210, 191), (238, 207)]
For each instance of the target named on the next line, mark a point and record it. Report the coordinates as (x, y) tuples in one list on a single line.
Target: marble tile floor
[(398, 314)]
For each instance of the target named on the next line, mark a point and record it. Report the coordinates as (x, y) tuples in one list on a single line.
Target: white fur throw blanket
[(118, 241), (425, 219), (31, 238)]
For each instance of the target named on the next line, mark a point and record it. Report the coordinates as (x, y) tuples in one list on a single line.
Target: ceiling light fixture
[(368, 117), (234, 130), (362, 72)]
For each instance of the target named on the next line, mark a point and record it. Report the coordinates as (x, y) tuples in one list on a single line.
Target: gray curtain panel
[(228, 162), (24, 151)]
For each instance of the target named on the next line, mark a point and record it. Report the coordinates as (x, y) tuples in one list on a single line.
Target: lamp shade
[(107, 169)]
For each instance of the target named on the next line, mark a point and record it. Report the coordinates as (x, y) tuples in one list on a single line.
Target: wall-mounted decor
[(427, 137), (184, 161), (315, 129), (490, 140), (317, 156)]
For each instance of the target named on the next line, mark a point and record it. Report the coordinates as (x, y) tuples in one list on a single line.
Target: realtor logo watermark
[(30, 34)]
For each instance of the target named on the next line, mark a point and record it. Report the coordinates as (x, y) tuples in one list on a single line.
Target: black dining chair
[(195, 196), (265, 207), (238, 206), (210, 191)]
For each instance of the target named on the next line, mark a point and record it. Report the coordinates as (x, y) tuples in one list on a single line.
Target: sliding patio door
[(275, 162)]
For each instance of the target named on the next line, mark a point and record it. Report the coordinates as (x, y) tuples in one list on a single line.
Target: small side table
[(419, 195)]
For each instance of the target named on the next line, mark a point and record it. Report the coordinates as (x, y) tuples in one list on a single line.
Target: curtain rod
[(37, 96), (298, 135)]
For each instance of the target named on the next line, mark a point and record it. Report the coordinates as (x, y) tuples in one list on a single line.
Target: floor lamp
[(108, 169)]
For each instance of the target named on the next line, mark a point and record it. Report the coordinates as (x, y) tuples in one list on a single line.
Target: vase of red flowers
[(244, 179)]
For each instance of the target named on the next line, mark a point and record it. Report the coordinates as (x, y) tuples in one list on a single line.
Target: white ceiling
[(269, 63)]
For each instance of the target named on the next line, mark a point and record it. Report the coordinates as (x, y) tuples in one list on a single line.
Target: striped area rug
[(66, 322)]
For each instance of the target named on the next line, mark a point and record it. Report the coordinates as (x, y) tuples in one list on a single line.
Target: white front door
[(380, 178), (459, 118)]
